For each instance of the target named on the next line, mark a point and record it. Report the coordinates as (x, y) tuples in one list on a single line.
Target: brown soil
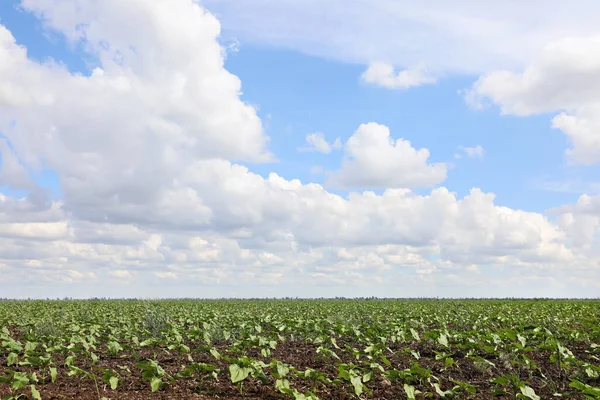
[(546, 379)]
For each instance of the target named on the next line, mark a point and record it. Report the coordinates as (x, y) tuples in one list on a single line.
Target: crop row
[(300, 350)]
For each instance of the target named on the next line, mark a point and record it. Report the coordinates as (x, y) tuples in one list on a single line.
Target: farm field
[(300, 349)]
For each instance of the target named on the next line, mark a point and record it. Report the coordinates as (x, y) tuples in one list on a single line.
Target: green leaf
[(529, 393), (114, 382), (12, 359), (114, 347), (357, 383), (215, 353), (587, 389), (501, 380), (415, 334), (386, 361), (439, 391), (334, 343), (282, 370), (53, 374), (30, 346), (443, 340), (73, 370), (69, 361), (237, 373), (300, 396), (283, 385), (155, 383), (35, 394), (20, 379), (410, 392)]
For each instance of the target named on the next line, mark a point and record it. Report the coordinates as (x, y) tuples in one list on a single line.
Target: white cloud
[(582, 127), (281, 231), (166, 275), (41, 230), (122, 274), (12, 171), (317, 142), (29, 209), (568, 185), (75, 275), (581, 221), (372, 159), (158, 100), (382, 74), (473, 268), (146, 149), (466, 37), (471, 152), (566, 77)]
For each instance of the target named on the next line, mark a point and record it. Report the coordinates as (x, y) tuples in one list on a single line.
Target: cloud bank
[(155, 201)]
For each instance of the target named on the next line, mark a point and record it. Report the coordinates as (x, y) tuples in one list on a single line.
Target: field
[(300, 349)]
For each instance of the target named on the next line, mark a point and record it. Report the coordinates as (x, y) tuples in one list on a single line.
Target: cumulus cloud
[(382, 74), (471, 152), (582, 127), (580, 220), (292, 232), (565, 78), (372, 159), (158, 99), (317, 142)]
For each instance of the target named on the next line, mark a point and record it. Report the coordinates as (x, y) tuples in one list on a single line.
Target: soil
[(546, 379)]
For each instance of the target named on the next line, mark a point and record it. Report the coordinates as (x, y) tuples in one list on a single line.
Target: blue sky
[(299, 82), (304, 94)]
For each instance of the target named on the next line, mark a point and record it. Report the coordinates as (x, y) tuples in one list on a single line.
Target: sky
[(299, 148)]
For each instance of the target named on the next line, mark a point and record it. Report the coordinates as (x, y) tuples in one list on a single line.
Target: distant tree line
[(337, 298)]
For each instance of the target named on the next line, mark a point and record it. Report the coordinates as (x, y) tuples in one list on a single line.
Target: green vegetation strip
[(300, 349)]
